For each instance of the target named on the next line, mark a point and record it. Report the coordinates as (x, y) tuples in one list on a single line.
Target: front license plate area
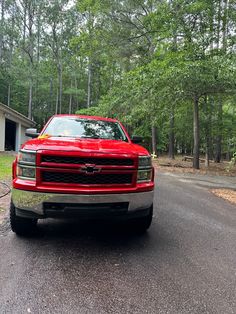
[(73, 210)]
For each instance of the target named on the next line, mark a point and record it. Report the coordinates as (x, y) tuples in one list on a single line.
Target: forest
[(165, 68)]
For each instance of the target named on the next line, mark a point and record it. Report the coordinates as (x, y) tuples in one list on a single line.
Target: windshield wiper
[(95, 137), (60, 135)]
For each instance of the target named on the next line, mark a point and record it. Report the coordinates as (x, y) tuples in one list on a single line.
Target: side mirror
[(31, 133), (136, 139)]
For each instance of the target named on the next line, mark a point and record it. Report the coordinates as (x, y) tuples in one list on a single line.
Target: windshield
[(85, 128)]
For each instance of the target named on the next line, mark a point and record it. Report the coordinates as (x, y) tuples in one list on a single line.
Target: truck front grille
[(88, 160), (78, 178)]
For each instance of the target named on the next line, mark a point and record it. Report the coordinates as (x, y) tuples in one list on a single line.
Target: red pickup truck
[(81, 166)]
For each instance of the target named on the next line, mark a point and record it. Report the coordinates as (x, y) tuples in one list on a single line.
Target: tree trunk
[(9, 95), (56, 49), (38, 36), (70, 102), (172, 135), (76, 94), (1, 27), (212, 34), (89, 85), (220, 102), (196, 133), (56, 110), (207, 153), (211, 148), (219, 24), (219, 131), (30, 99), (154, 140), (228, 155), (10, 59), (207, 133), (50, 95), (24, 25), (60, 86), (31, 57), (172, 114), (225, 25)]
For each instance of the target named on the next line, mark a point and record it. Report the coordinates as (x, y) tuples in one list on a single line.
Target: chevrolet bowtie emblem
[(90, 169)]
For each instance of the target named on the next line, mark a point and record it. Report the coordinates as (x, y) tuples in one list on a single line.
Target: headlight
[(25, 172), (28, 158), (26, 165), (144, 162)]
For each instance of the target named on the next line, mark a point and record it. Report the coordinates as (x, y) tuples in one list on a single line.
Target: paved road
[(186, 263)]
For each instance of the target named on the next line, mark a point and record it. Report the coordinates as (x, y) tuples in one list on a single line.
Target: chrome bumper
[(33, 201)]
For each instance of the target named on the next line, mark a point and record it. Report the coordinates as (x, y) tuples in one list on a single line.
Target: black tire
[(142, 224), (20, 225)]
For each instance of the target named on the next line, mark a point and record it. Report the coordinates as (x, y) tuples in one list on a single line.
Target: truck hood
[(85, 145)]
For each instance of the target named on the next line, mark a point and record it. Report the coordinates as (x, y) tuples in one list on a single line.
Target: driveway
[(186, 263)]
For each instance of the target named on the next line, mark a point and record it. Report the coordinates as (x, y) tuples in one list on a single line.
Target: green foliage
[(232, 163), (92, 111), (233, 160), (5, 166), (139, 61)]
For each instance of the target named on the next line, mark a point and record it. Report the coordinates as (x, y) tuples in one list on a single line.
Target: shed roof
[(15, 114)]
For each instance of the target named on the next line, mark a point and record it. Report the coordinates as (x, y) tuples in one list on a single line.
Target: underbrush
[(179, 165)]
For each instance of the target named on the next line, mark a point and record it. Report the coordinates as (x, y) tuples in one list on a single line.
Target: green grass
[(5, 165)]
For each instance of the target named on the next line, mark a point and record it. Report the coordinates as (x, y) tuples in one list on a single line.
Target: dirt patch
[(229, 195), (180, 166)]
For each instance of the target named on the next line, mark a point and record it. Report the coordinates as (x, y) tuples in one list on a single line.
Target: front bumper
[(33, 204)]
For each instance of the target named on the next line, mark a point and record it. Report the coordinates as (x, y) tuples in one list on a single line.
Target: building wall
[(20, 130), (20, 135), (2, 131)]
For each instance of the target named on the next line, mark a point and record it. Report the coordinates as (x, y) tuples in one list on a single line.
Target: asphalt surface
[(186, 263)]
